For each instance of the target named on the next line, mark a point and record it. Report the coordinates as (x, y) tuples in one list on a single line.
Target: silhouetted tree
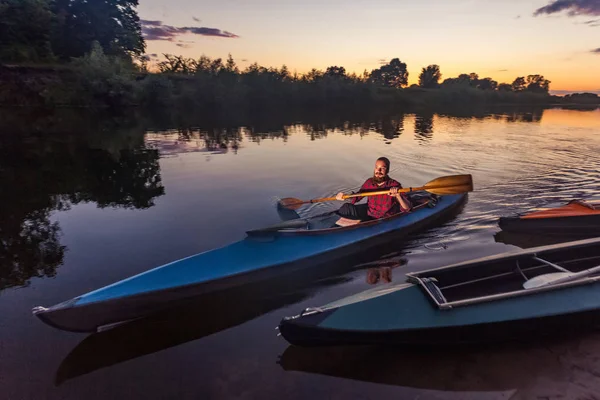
[(393, 74), (505, 87), (487, 84), (519, 84), (430, 76), (25, 30), (230, 65), (537, 84), (314, 75), (115, 24), (471, 79), (335, 72), (177, 64)]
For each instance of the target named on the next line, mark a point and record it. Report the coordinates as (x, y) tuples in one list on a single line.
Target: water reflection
[(221, 136), (382, 271), (424, 126), (56, 161), (211, 313), (528, 369), (48, 167)]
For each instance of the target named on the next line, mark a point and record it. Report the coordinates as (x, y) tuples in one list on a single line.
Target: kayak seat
[(435, 291)]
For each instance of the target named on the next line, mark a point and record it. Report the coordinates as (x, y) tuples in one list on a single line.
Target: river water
[(91, 204)]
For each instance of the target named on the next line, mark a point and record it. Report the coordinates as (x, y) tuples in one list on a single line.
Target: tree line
[(393, 74), (100, 42)]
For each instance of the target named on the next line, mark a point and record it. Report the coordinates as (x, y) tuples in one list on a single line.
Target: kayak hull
[(255, 258), (307, 333), (572, 225), (574, 218), (485, 300)]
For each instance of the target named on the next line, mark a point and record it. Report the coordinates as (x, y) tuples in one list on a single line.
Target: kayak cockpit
[(331, 222), (471, 283)]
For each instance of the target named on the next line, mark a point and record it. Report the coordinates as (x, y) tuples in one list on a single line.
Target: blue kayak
[(515, 295), (292, 244)]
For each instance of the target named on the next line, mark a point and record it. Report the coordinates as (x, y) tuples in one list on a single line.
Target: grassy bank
[(98, 81)]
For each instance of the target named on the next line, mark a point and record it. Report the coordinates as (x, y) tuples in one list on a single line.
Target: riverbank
[(112, 85)]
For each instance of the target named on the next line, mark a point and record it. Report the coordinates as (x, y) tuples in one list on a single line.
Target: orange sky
[(500, 39)]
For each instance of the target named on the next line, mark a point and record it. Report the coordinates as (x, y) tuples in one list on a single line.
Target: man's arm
[(402, 199), (353, 200)]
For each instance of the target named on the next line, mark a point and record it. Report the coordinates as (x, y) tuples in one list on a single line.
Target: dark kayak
[(506, 296), (293, 244), (574, 218)]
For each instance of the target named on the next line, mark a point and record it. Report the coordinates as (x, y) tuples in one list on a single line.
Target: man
[(379, 206)]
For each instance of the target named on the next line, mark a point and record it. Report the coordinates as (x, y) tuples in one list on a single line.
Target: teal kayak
[(515, 295), (277, 249)]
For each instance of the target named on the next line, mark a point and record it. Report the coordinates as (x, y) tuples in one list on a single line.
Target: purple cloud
[(209, 32), (593, 22), (573, 7), (150, 23), (183, 45), (155, 30), (596, 51)]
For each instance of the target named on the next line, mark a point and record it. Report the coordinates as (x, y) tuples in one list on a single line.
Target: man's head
[(382, 167)]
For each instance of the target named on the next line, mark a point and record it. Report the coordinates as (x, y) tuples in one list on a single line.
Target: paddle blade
[(452, 184), (290, 203)]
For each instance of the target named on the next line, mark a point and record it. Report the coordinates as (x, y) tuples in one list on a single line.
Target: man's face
[(380, 171)]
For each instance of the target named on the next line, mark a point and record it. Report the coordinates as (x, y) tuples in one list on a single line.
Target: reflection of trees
[(424, 126), (29, 247), (45, 171), (532, 115), (390, 127)]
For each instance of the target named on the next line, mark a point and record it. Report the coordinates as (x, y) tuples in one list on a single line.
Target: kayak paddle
[(452, 184)]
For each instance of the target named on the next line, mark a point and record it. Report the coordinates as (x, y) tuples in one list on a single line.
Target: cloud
[(382, 61), (156, 30), (196, 19), (150, 23), (596, 51), (518, 17), (502, 70), (210, 32), (573, 7), (593, 22), (183, 45), (244, 60)]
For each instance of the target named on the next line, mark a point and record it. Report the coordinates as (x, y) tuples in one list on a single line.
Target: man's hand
[(393, 192), (340, 196)]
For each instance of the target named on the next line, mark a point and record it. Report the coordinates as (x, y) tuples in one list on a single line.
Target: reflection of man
[(383, 271), (379, 206)]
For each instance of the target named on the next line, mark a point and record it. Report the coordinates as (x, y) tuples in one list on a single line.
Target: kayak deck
[(488, 299), (249, 259)]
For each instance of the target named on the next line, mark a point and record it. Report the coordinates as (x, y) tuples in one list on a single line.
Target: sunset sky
[(502, 39)]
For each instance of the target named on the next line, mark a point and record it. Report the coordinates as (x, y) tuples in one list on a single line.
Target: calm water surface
[(80, 211)]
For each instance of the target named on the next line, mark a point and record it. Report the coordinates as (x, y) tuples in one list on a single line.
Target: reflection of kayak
[(576, 217), (290, 244), (197, 319), (539, 290), (484, 369)]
